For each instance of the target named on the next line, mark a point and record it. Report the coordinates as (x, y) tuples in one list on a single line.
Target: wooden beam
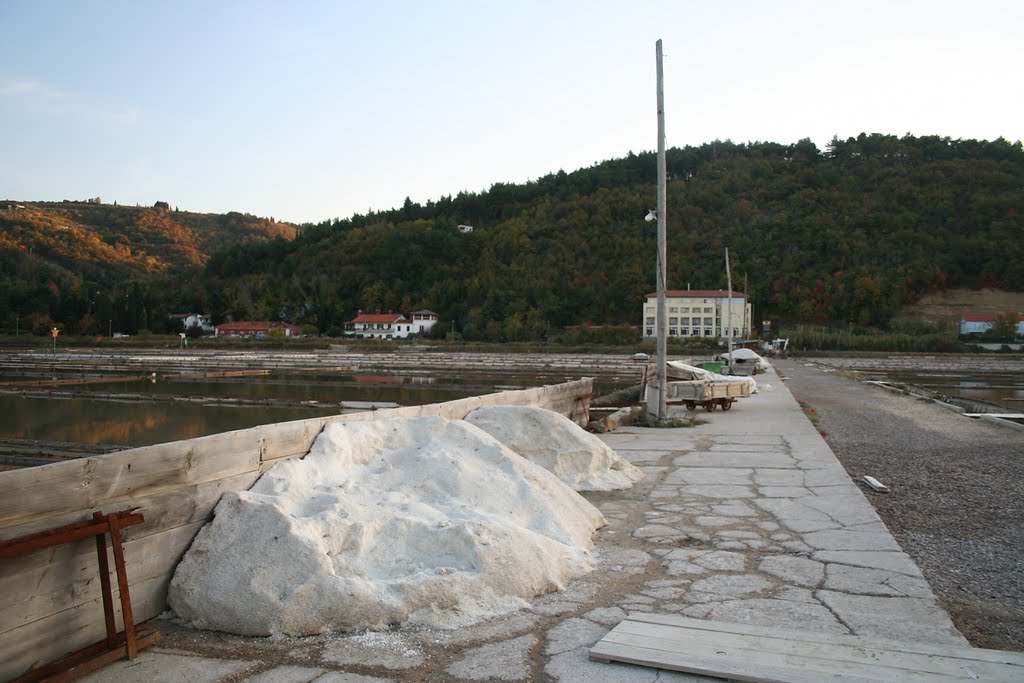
[(760, 654)]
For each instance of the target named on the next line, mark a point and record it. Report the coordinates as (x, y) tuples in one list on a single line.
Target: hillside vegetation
[(77, 264), (849, 235)]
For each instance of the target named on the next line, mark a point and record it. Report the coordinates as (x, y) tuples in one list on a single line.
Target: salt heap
[(558, 444), (423, 521)]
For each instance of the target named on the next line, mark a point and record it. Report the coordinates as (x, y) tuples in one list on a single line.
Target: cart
[(706, 393)]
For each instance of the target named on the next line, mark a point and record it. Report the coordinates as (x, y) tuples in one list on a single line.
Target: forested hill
[(846, 234), (849, 234), (56, 256)]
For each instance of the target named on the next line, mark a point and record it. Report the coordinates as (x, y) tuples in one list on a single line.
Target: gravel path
[(957, 500)]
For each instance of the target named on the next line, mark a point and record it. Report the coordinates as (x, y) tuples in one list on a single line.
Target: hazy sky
[(306, 110)]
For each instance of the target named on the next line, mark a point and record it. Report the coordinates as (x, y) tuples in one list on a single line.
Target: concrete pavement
[(747, 517)]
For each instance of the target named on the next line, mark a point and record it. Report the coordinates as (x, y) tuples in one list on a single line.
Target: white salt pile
[(418, 520), (558, 444)]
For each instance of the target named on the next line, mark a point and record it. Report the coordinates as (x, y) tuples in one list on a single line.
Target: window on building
[(709, 309), (696, 333), (673, 309), (650, 321), (708, 322), (673, 331), (707, 333), (673, 321), (650, 332), (684, 332)]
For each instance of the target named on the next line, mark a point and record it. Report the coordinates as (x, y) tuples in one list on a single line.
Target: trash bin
[(712, 366)]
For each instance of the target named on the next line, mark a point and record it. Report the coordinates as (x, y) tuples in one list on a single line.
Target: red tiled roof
[(985, 317), (699, 294)]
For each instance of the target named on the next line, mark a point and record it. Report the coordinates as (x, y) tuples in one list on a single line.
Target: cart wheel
[(691, 405), (709, 405), (726, 404)]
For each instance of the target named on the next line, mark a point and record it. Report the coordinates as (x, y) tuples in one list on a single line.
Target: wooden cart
[(706, 393)]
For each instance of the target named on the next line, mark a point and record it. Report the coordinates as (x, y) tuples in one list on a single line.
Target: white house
[(391, 325), (699, 313), (979, 323), (423, 321), (189, 320)]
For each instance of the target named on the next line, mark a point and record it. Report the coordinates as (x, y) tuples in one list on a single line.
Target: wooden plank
[(164, 510), (751, 653), (51, 638), (288, 439), (41, 591), (878, 661), (717, 667), (92, 483), (976, 653)]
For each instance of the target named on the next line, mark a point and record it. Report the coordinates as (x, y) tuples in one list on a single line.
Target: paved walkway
[(746, 518)]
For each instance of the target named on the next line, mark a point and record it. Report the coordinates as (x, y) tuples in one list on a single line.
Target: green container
[(712, 366)]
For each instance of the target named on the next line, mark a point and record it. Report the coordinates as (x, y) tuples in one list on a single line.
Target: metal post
[(662, 321), (728, 278)]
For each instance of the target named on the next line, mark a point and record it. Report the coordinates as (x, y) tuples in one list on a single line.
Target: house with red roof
[(391, 325), (980, 323)]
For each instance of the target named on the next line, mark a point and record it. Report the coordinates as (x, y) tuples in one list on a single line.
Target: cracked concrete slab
[(797, 571), (903, 619), (503, 661), (896, 561), (771, 612)]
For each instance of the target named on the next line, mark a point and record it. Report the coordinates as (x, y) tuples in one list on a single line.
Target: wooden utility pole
[(728, 321), (662, 321)]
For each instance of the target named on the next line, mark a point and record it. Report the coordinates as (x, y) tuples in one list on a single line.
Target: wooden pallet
[(740, 652)]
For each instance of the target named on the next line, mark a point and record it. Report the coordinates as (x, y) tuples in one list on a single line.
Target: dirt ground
[(957, 499), (950, 305)]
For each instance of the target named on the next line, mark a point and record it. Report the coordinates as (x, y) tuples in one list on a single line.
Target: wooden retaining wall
[(50, 601)]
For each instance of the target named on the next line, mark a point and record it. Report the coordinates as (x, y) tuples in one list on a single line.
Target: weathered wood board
[(742, 652)]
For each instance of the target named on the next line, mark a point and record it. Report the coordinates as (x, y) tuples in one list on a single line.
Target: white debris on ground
[(424, 521), (559, 445)]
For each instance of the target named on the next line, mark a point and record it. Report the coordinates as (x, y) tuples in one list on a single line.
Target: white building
[(189, 320), (699, 313), (979, 323), (390, 325)]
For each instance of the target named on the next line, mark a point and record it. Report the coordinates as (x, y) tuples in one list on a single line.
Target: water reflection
[(143, 412), (132, 423), (1002, 389)]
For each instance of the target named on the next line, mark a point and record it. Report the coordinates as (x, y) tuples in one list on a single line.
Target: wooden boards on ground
[(760, 654)]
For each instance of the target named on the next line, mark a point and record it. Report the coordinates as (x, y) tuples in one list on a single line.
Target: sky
[(312, 110)]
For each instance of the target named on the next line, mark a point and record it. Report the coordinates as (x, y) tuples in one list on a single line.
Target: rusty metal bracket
[(126, 643)]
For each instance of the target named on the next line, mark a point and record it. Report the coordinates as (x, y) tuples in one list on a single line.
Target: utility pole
[(662, 321), (728, 279)]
